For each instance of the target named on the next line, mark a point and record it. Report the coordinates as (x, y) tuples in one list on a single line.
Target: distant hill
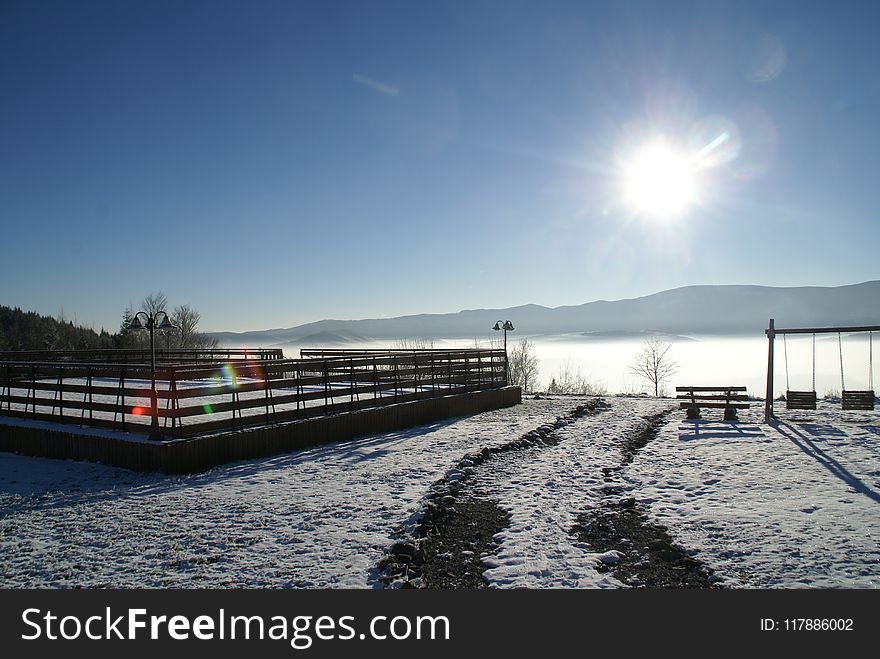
[(684, 311)]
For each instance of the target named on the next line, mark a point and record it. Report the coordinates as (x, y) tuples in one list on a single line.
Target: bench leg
[(730, 414), (693, 413)]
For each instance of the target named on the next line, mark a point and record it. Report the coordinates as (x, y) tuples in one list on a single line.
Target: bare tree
[(523, 365), (155, 302), (569, 380), (406, 343), (186, 320), (653, 364)]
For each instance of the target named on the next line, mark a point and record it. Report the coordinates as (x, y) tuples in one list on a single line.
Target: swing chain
[(814, 362), (785, 351), (871, 361)]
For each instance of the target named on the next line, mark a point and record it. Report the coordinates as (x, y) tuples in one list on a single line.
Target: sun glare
[(660, 182)]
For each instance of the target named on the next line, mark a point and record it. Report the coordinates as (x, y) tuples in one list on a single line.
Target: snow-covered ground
[(320, 517), (545, 488), (789, 505), (792, 505)]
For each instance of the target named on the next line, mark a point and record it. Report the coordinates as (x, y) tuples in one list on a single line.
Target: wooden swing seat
[(800, 400), (858, 400)]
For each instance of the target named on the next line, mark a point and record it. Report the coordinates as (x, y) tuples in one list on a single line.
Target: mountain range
[(721, 310)]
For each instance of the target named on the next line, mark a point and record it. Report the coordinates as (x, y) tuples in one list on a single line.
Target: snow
[(546, 490), (794, 504), (790, 505), (320, 517)]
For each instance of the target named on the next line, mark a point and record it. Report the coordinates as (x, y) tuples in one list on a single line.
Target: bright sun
[(660, 182)]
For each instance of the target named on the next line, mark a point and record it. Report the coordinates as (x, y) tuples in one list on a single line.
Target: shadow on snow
[(808, 446)]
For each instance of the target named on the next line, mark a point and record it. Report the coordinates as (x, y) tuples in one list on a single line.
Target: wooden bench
[(727, 398)]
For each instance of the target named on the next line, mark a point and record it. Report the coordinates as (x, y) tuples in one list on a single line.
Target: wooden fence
[(204, 398), (141, 355)]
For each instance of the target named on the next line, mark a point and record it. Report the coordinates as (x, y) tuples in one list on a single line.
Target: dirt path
[(637, 552), (458, 525), (462, 517)]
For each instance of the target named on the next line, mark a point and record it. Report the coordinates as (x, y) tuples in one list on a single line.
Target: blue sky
[(274, 163)]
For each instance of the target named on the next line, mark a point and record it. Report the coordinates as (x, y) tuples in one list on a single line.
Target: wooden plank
[(695, 389), (321, 353), (278, 399), (141, 356), (69, 403), (857, 400), (96, 422), (800, 400), (739, 406), (825, 330), (54, 387), (713, 397)]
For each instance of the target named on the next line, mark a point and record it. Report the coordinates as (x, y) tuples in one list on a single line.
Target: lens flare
[(229, 376)]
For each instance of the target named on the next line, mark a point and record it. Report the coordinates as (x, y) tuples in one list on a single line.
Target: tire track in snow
[(446, 543), (635, 551)]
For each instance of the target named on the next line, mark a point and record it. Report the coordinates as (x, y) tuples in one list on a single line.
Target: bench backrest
[(710, 389), (711, 394)]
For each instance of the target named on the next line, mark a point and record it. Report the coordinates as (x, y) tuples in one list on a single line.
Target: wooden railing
[(142, 356), (203, 398), (312, 353)]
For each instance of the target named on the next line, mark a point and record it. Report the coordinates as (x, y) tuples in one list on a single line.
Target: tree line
[(28, 330)]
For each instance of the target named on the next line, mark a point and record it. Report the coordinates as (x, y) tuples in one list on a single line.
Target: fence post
[(416, 371), (326, 385), (122, 391), (87, 394), (8, 393), (60, 395), (375, 379)]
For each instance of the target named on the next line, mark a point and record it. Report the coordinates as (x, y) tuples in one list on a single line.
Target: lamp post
[(152, 321), (506, 326)]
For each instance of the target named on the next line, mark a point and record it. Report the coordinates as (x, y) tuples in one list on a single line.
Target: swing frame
[(772, 332)]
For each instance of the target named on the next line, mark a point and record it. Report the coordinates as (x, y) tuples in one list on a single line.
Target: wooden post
[(768, 403)]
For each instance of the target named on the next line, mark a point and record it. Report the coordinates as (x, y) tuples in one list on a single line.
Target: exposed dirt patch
[(639, 553), (635, 551), (461, 535)]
